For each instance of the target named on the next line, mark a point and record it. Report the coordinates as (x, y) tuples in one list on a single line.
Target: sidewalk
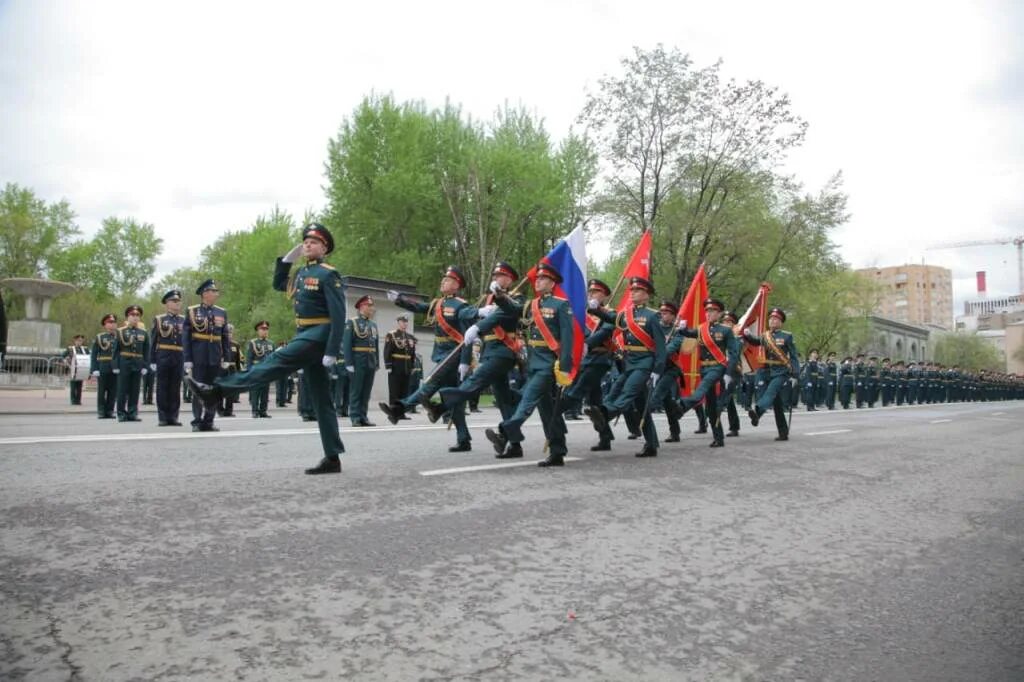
[(48, 401)]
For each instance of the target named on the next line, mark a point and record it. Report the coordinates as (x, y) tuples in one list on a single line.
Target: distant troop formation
[(522, 350)]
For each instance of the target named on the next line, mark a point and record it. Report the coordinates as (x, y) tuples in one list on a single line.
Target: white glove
[(727, 381), (144, 371), (472, 334), (681, 325), (96, 373), (350, 369), (486, 310), (654, 378), (225, 365), (593, 304), (117, 371), (463, 370), (188, 366), (329, 361), (292, 255), (152, 366), (494, 287), (392, 295)]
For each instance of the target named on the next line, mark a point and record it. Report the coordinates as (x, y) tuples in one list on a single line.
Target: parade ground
[(881, 544)]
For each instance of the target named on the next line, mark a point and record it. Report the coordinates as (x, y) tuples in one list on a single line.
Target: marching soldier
[(781, 366), (728, 399), (318, 298), (498, 355), (450, 315), (131, 350), (719, 355), (206, 348), (101, 366), (666, 390), (258, 351), (361, 350), (399, 360), (550, 340), (166, 362), (645, 355), (598, 361), (71, 358)]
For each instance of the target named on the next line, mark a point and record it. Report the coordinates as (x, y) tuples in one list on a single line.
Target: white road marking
[(939, 421), (828, 433), (488, 467), (998, 414)]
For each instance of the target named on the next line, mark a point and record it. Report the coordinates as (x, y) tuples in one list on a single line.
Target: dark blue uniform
[(101, 366), (258, 351), (131, 351), (167, 354), (205, 344)]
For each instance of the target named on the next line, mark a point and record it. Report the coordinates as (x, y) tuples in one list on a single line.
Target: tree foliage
[(967, 351), (115, 263), (410, 191)]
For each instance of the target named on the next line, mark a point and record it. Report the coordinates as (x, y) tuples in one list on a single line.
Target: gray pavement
[(875, 545)]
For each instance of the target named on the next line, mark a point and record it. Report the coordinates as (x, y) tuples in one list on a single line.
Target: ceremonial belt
[(365, 350), (167, 346), (444, 339), (443, 323), (206, 337), (600, 349), (709, 363), (709, 343), (641, 334), (538, 319), (637, 349), (131, 355), (768, 341), (401, 356), (311, 321), (104, 357), (539, 343), (511, 341), (775, 362)]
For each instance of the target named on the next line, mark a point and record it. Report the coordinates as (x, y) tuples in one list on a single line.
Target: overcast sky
[(198, 117)]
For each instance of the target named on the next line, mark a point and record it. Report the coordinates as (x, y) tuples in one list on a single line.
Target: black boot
[(513, 451), (602, 446), (782, 437), (326, 466), (717, 444), (732, 434), (552, 461), (672, 438), (434, 411), (648, 451), (497, 439), (209, 394), (701, 429), (393, 414), (754, 415), (597, 417), (463, 446)]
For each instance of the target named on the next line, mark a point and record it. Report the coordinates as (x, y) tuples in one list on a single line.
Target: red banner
[(692, 310), (639, 265), (756, 319)]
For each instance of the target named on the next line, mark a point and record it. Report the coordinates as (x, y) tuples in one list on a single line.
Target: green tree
[(967, 351), (115, 263)]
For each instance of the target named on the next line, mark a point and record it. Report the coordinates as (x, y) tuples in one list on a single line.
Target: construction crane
[(1016, 241)]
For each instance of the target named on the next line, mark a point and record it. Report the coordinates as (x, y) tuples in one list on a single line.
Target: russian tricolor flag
[(569, 257)]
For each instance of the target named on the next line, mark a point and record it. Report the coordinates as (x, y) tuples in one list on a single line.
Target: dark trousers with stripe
[(168, 391)]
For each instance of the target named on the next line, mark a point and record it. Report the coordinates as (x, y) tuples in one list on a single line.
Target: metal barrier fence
[(34, 372)]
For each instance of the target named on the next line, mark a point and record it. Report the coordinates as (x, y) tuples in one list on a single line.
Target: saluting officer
[(498, 355), (598, 361), (550, 340), (206, 347), (258, 351), (645, 354), (450, 315), (102, 368), (780, 367), (318, 298), (719, 355), (399, 360), (166, 359), (131, 350), (361, 350)]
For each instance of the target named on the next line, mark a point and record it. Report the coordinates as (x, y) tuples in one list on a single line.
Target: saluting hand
[(292, 255), (392, 295)]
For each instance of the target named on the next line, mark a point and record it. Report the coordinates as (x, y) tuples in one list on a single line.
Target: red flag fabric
[(756, 319), (639, 265), (692, 310)]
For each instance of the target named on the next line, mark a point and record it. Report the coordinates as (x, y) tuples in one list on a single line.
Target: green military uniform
[(361, 350), (549, 337), (258, 351), (598, 361), (101, 366), (781, 365), (666, 391), (130, 362)]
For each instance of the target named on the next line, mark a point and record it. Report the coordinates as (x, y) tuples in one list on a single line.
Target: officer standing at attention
[(101, 366), (258, 351), (498, 356), (207, 348), (131, 350), (361, 350), (450, 315), (597, 362), (318, 298), (780, 366), (71, 357), (830, 380), (234, 362), (645, 356), (399, 359), (550, 340), (166, 361), (846, 381), (812, 375), (719, 355)]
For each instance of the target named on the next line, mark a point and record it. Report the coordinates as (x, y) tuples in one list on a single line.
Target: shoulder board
[(193, 307), (559, 298), (160, 316), (460, 299), (327, 266)]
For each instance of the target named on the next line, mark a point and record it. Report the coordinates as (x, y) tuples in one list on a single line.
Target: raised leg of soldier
[(508, 438), (715, 421)]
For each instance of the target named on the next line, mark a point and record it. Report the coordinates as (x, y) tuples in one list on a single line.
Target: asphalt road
[(874, 545)]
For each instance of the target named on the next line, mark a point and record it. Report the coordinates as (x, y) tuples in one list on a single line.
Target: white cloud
[(198, 117)]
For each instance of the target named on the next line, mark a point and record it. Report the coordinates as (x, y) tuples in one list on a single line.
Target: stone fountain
[(35, 336)]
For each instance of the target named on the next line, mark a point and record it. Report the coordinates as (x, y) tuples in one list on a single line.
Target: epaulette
[(193, 307), (560, 298), (328, 266), (459, 298)]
